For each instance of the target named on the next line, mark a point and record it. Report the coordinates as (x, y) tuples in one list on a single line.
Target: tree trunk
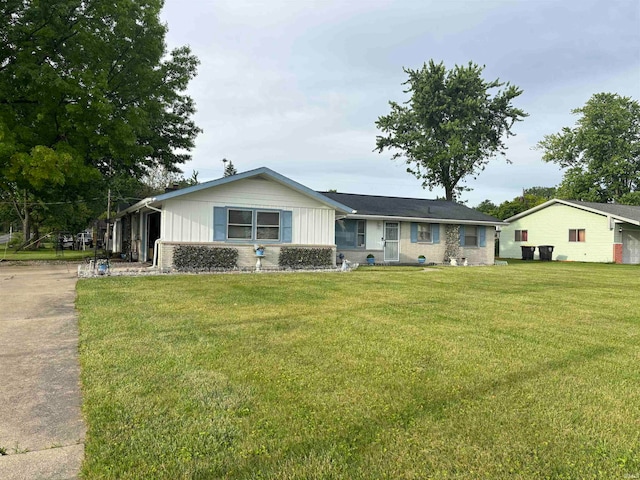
[(26, 221)]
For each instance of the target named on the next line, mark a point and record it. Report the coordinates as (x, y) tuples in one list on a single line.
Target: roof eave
[(569, 203), (425, 219)]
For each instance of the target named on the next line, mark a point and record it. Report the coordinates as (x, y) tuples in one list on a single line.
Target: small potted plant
[(371, 259), (421, 259), (259, 249)]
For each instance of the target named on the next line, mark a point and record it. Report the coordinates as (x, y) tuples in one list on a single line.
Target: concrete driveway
[(41, 426)]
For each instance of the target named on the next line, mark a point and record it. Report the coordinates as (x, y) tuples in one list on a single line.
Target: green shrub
[(292, 257), (191, 258)]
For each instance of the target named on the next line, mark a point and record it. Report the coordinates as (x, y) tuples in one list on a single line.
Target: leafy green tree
[(546, 193), (451, 126), (631, 198), (87, 91), (518, 205), (530, 198), (601, 153), (488, 207)]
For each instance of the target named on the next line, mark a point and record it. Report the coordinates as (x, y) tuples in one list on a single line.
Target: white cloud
[(297, 85)]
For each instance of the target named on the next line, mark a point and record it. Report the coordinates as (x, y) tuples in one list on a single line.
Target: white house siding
[(551, 225), (189, 218)]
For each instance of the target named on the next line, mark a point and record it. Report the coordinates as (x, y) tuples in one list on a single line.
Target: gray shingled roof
[(626, 211), (409, 207)]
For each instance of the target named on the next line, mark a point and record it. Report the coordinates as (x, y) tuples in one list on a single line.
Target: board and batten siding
[(551, 225), (189, 218)]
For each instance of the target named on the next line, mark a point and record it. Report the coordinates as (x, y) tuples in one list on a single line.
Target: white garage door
[(630, 247)]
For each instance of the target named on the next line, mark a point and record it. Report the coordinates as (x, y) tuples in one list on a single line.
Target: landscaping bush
[(291, 257), (192, 258)]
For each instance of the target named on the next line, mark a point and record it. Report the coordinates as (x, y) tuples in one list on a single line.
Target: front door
[(391, 241)]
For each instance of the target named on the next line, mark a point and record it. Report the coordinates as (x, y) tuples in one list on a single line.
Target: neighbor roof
[(625, 213), (411, 209)]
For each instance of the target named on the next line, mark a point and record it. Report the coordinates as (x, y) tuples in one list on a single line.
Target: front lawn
[(524, 371), (47, 253)]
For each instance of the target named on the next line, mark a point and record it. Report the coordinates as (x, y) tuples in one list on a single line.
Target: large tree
[(87, 91), (601, 153), (451, 126)]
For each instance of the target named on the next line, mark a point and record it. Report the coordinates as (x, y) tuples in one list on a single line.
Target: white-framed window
[(424, 232), (577, 235), (522, 236), (470, 236), (244, 224), (240, 224), (360, 234), (267, 225)]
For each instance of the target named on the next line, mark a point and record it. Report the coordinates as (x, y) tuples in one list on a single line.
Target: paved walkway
[(41, 427)]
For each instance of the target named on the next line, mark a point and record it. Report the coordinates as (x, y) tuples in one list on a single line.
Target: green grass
[(44, 254), (526, 371)]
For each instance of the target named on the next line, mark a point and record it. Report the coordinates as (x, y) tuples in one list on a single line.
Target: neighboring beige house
[(578, 231), (263, 207), (397, 229)]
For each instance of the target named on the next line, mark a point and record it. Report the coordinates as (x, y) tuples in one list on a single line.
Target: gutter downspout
[(156, 254)]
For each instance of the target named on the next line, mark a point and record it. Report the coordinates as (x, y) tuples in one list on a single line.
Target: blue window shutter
[(435, 233), (287, 226), (414, 232), (219, 224), (461, 229), (482, 236)]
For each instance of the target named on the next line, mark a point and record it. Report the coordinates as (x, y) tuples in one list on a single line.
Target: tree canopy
[(451, 126), (87, 92), (530, 198), (601, 153)]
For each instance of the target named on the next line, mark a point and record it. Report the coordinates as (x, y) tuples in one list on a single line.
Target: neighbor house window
[(470, 236), (240, 224), (360, 236), (267, 225), (577, 235), (424, 232), (522, 235)]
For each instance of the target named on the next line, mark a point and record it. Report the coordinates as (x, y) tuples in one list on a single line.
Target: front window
[(267, 225), (240, 224), (253, 225), (470, 236), (522, 235), (424, 232), (577, 235)]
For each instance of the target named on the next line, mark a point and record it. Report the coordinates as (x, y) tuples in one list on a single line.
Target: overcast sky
[(297, 85)]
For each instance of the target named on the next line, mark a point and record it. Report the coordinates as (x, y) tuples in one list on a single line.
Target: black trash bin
[(527, 252), (546, 252)]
